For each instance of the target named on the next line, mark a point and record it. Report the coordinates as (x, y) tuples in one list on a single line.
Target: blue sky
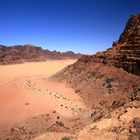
[(84, 26)]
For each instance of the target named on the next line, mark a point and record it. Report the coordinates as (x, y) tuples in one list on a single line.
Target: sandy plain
[(26, 93)]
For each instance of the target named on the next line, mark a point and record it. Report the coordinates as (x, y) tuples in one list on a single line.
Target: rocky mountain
[(108, 80), (125, 53), (27, 53)]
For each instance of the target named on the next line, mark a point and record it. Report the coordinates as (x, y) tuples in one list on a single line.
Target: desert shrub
[(65, 138)]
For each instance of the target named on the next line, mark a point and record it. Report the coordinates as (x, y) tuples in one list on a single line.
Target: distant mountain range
[(28, 53)]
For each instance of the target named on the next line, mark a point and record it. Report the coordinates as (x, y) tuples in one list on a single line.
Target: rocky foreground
[(30, 53), (109, 83)]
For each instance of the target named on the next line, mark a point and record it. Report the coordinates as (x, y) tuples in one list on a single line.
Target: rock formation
[(27, 53), (125, 53), (109, 79), (121, 124)]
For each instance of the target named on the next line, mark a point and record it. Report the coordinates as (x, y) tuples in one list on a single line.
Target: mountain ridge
[(28, 53)]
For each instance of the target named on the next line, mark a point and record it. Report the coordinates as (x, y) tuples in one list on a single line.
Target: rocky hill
[(110, 79), (125, 53), (27, 53), (109, 73)]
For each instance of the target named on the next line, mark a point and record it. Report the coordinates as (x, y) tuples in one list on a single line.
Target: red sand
[(25, 92)]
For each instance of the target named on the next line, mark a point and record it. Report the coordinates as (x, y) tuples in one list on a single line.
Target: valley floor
[(31, 105)]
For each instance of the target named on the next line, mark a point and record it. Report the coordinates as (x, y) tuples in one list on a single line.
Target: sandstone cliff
[(125, 53)]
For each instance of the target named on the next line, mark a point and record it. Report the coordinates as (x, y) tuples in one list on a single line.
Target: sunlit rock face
[(131, 34)]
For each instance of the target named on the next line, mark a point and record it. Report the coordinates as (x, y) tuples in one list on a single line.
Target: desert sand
[(26, 93)]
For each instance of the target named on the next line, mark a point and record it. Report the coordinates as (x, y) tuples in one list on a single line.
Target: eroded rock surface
[(125, 53)]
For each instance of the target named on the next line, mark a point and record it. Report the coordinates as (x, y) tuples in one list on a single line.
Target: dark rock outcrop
[(28, 53)]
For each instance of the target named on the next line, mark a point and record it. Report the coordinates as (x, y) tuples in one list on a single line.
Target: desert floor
[(30, 104)]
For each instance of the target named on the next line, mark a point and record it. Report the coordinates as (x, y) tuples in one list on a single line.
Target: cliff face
[(27, 53), (131, 34), (125, 53), (108, 79)]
